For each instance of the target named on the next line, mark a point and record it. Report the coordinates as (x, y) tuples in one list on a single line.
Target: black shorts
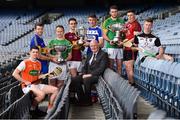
[(128, 55)]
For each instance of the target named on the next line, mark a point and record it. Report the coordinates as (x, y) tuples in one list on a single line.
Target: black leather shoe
[(73, 100)]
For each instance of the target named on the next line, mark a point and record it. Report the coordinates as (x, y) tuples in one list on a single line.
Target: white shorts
[(75, 64), (64, 73), (28, 88), (115, 53)]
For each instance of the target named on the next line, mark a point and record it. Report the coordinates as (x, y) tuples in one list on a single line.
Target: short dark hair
[(92, 16), (39, 24), (114, 7), (34, 47), (131, 11), (149, 20), (72, 19), (59, 26)]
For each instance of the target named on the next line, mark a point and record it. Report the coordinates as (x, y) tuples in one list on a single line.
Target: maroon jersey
[(76, 52), (131, 27)]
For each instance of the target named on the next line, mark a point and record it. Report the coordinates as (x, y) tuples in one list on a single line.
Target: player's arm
[(101, 42), (69, 52), (104, 32), (161, 51), (100, 38), (105, 35), (69, 56), (43, 57), (17, 73), (136, 42)]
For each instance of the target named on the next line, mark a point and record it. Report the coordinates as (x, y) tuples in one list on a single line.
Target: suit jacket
[(97, 67)]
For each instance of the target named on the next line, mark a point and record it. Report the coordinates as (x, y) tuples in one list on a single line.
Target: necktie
[(94, 58)]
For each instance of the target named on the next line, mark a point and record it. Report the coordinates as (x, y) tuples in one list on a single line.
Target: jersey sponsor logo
[(33, 72), (147, 43), (91, 37), (94, 32)]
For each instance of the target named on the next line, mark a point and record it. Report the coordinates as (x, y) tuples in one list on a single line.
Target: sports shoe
[(94, 99)]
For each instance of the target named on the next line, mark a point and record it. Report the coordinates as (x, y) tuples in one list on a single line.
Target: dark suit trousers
[(84, 95)]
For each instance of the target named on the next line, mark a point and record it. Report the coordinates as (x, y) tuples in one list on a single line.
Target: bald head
[(94, 45)]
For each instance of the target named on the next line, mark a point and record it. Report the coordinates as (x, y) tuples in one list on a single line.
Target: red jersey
[(131, 27), (76, 52)]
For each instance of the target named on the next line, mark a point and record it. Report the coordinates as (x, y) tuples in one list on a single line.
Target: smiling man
[(37, 40), (115, 53), (28, 73), (94, 66), (133, 27)]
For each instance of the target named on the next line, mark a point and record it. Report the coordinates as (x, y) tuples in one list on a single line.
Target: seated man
[(95, 65), (148, 44), (28, 73)]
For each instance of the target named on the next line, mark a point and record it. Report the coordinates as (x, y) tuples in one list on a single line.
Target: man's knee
[(76, 80), (55, 90), (87, 80), (40, 96), (90, 80)]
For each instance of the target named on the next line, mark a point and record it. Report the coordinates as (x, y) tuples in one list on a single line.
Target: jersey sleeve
[(21, 66), (157, 42), (136, 40), (66, 36), (137, 28), (104, 26), (32, 43), (69, 46), (50, 44), (100, 33)]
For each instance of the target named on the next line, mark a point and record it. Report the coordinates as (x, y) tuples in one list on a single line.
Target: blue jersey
[(93, 33), (39, 42)]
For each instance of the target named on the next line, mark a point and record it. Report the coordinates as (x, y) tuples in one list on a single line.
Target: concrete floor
[(144, 108), (91, 112), (95, 111)]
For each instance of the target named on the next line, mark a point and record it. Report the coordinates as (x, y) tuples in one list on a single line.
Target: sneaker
[(94, 99)]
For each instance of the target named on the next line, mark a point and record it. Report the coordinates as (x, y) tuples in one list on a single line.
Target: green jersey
[(56, 42), (110, 34)]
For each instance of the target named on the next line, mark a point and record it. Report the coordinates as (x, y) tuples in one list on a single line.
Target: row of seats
[(20, 109), (159, 81), (110, 105), (15, 105), (60, 108), (21, 46), (168, 32), (118, 97), (8, 94), (14, 24)]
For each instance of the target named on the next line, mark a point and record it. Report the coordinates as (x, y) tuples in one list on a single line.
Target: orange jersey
[(31, 71)]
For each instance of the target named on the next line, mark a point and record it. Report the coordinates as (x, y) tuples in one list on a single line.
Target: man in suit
[(94, 66)]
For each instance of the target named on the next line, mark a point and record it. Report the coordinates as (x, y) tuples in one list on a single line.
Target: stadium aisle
[(144, 108), (89, 112)]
